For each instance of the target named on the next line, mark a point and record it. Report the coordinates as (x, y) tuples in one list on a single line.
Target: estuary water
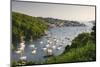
[(62, 34)]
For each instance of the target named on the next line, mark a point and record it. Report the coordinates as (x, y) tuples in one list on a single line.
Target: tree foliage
[(94, 32), (27, 26)]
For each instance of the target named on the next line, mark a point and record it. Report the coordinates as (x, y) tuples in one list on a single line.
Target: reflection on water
[(64, 35)]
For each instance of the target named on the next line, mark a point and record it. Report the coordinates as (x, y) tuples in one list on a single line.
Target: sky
[(60, 11)]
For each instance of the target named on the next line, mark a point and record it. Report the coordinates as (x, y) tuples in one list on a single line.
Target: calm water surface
[(57, 32)]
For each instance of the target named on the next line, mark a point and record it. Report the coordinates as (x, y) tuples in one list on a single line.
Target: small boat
[(47, 56)]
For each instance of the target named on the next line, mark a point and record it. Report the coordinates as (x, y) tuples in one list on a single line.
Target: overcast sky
[(66, 12)]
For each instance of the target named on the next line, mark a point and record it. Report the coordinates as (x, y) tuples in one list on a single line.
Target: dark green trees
[(27, 26), (94, 32)]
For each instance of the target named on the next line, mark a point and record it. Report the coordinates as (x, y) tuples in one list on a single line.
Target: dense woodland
[(26, 26)]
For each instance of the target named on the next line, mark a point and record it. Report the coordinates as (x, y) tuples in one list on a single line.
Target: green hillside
[(27, 26)]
